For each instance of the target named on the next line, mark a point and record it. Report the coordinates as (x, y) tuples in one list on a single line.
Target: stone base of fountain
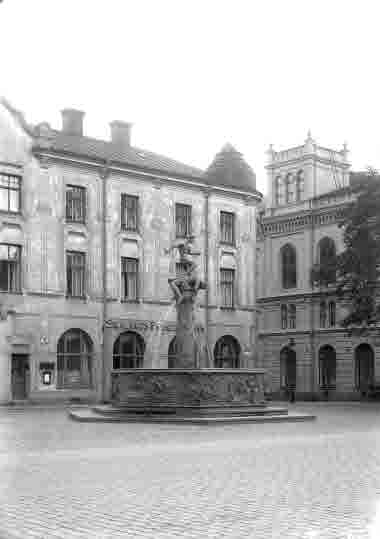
[(187, 396)]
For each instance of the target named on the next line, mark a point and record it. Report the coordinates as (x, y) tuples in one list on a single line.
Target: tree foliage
[(356, 268)]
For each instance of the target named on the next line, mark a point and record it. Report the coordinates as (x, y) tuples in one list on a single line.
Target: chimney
[(121, 134), (72, 122)]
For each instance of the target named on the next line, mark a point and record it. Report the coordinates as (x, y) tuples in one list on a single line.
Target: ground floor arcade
[(59, 357), (328, 365)]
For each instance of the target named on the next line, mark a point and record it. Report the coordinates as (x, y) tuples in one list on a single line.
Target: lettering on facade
[(139, 325)]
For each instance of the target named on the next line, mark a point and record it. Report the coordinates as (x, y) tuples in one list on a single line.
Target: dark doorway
[(364, 368), (20, 376), (327, 367), (227, 353), (288, 365)]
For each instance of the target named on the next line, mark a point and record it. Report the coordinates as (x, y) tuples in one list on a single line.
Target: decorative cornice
[(147, 174)]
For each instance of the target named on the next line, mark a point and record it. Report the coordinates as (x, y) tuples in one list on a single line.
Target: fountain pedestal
[(181, 391)]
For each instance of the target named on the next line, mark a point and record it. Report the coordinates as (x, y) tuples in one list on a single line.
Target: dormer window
[(10, 193)]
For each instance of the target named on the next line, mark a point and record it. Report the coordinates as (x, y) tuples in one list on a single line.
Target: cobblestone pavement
[(61, 479)]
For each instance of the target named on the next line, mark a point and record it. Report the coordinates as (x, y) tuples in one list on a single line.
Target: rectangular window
[(129, 212), (75, 270), (129, 278), (10, 193), (292, 316), (10, 267), (284, 316), (227, 282), (183, 220), (227, 227), (75, 204)]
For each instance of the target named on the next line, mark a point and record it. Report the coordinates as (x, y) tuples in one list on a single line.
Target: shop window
[(128, 351), (74, 360)]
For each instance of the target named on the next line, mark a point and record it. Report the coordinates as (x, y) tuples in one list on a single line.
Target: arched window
[(292, 316), (289, 266), (289, 189), (74, 360), (300, 185), (288, 367), (327, 367), (284, 316), (172, 354), (279, 191), (322, 314), (226, 353), (364, 367), (128, 351), (332, 314), (327, 255)]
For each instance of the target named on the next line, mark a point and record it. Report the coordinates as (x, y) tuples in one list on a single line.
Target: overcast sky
[(195, 74)]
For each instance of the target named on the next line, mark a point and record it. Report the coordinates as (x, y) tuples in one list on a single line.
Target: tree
[(357, 267)]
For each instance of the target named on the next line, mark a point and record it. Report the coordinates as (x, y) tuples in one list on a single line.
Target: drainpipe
[(104, 173), (207, 293), (312, 304)]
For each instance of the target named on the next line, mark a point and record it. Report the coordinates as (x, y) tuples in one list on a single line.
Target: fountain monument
[(192, 391)]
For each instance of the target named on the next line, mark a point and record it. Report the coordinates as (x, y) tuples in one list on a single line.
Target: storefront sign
[(139, 325)]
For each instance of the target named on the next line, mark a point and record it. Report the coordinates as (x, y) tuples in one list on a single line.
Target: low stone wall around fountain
[(176, 388)]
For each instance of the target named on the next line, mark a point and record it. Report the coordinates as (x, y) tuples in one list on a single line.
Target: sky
[(194, 74)]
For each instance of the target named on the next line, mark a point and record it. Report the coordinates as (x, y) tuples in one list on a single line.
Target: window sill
[(227, 244), (15, 292), (77, 298), (225, 308), (130, 230), (124, 300), (11, 213), (69, 222)]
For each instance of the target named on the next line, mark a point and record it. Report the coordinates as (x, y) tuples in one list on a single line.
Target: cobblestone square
[(318, 480)]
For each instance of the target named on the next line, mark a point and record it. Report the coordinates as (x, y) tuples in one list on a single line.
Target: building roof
[(229, 169), (82, 146)]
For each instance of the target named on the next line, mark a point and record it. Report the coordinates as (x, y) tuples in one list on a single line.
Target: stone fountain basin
[(182, 390)]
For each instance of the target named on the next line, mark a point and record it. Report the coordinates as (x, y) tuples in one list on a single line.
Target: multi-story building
[(86, 249), (301, 342)]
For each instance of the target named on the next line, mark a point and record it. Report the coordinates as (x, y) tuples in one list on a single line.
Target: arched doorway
[(364, 368), (74, 360), (172, 354), (227, 353), (128, 351), (327, 367), (288, 367)]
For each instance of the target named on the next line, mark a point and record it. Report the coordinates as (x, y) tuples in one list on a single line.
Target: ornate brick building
[(86, 234), (300, 340)]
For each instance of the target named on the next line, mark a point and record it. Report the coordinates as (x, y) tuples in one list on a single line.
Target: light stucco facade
[(37, 314)]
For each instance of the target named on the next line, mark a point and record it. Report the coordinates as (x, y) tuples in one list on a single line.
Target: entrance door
[(20, 376), (364, 367), (288, 359)]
